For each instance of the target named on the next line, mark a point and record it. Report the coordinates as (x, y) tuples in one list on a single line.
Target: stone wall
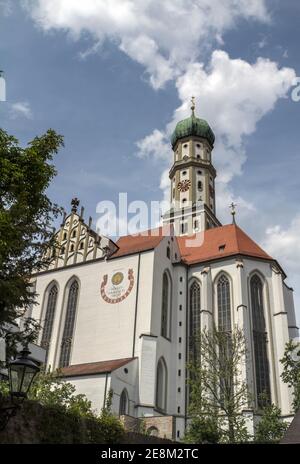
[(26, 425), (159, 426)]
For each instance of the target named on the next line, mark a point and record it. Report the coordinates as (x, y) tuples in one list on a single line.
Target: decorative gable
[(76, 242)]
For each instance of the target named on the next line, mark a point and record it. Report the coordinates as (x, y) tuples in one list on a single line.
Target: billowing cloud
[(20, 110), (163, 36), (283, 243), (6, 7), (233, 95), (155, 145)]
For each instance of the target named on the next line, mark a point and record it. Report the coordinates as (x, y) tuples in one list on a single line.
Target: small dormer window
[(222, 247)]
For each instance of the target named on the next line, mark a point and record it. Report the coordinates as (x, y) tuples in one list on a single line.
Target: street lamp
[(21, 372)]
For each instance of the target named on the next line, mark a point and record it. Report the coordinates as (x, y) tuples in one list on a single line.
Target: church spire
[(192, 176)]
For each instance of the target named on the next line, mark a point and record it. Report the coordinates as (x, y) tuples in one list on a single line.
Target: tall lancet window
[(161, 385), (66, 343), (194, 322), (263, 392), (224, 326), (51, 298), (166, 306), (123, 403), (224, 305)]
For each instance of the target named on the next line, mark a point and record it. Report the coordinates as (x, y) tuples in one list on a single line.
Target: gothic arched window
[(123, 403), (224, 305), (49, 318), (166, 306), (161, 385), (194, 318), (263, 393), (67, 337)]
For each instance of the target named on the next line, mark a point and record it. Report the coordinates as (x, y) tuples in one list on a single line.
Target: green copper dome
[(192, 126)]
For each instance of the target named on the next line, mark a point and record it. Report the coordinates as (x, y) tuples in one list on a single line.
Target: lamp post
[(21, 372)]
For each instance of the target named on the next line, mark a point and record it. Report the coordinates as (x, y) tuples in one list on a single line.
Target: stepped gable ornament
[(117, 288), (75, 203)]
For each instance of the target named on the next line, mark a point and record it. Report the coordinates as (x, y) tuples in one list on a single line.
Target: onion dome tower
[(192, 177)]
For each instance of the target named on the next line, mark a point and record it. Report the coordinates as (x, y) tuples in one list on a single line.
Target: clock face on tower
[(184, 185)]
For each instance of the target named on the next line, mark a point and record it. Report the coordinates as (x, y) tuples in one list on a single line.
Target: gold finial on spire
[(193, 106), (233, 211)]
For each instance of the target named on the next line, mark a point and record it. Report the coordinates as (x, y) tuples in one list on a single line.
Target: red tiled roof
[(136, 243), (221, 242), (100, 367)]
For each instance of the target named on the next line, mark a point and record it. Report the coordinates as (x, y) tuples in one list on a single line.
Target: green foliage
[(203, 429), (291, 370), (26, 215), (217, 394), (62, 416), (271, 427), (49, 389)]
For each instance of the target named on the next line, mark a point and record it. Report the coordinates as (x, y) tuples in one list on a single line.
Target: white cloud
[(283, 244), (20, 109), (163, 36), (6, 7), (233, 95), (156, 145)]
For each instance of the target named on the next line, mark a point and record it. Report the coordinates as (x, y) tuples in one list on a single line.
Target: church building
[(121, 316)]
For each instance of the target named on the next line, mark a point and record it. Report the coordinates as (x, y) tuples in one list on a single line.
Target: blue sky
[(114, 77)]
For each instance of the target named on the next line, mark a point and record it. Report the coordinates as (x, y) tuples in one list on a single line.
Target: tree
[(291, 370), (271, 427), (65, 412), (49, 389), (217, 392), (26, 214)]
